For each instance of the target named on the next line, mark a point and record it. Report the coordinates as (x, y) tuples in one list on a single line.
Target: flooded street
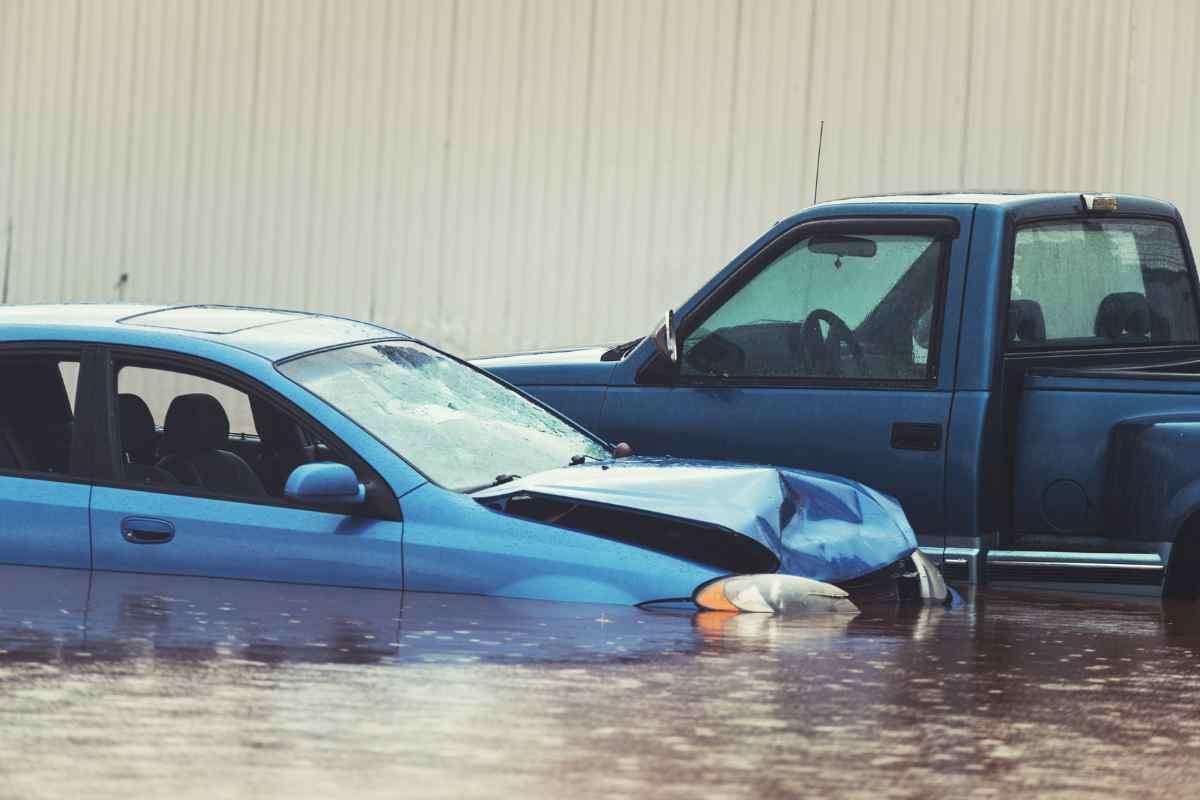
[(121, 686)]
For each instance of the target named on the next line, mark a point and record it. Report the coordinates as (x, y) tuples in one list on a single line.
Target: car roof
[(271, 333), (1017, 200)]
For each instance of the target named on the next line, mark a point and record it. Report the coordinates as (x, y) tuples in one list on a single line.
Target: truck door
[(830, 348)]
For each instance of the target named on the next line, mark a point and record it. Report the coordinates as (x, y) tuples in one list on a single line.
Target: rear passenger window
[(1099, 283), (37, 423)]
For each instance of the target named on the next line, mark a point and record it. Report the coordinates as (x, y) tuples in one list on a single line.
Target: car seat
[(137, 441), (283, 446), (194, 439)]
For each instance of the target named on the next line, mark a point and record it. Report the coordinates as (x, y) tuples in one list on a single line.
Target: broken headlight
[(772, 594)]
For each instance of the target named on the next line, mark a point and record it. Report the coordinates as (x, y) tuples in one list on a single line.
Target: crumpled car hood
[(818, 526)]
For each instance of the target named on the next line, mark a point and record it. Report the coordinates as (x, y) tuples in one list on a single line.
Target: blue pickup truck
[(1020, 370)]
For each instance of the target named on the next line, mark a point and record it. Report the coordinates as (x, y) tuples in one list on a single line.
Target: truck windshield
[(1099, 283), (458, 426)]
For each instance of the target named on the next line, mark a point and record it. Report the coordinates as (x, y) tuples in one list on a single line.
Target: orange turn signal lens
[(711, 597), (771, 594)]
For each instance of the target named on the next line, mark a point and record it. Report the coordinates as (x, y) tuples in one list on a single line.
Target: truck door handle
[(147, 530), (916, 436)]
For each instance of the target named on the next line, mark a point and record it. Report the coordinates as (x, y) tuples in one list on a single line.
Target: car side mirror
[(664, 337), (324, 484)]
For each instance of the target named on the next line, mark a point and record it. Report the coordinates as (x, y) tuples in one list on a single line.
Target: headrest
[(1026, 323), (275, 430), (195, 423), (137, 423), (1123, 315)]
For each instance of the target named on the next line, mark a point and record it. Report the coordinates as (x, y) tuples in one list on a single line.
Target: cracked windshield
[(460, 428)]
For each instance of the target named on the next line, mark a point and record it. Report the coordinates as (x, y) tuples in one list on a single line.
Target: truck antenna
[(817, 179), (7, 261)]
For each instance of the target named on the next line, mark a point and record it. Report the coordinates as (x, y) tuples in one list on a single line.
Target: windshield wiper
[(582, 457), (617, 352), (500, 479)]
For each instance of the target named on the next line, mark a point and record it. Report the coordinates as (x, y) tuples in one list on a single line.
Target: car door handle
[(147, 530), (916, 436)]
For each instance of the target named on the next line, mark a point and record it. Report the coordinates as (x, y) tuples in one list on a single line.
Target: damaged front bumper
[(766, 522)]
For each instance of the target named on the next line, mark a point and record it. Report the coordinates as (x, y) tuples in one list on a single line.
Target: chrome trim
[(970, 557), (1082, 560), (1087, 565)]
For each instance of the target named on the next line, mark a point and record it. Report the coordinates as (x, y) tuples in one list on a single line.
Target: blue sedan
[(284, 446)]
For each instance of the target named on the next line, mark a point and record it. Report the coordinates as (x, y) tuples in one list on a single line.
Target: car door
[(821, 350), (178, 501), (44, 480)]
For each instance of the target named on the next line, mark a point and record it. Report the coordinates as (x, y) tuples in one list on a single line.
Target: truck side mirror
[(664, 337)]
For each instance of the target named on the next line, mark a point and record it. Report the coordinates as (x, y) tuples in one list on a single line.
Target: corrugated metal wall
[(501, 175)]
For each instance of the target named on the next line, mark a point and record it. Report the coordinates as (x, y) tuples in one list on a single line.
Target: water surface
[(147, 686)]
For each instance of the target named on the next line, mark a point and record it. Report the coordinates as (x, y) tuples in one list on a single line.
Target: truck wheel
[(1182, 581)]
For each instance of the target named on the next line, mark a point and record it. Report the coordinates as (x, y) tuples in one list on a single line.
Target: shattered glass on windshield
[(461, 428)]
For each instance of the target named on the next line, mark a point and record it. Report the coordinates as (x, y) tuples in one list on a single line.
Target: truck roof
[(1042, 201), (270, 333)]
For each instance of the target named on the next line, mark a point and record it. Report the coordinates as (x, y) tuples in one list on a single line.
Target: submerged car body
[(375, 461)]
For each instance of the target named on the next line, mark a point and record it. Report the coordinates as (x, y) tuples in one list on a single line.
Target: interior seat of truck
[(1127, 316), (1026, 322), (194, 441), (1123, 315)]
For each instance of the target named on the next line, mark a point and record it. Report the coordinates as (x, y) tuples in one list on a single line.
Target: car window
[(1100, 282), (158, 387), (69, 372), (181, 431), (459, 426), (859, 307), (36, 416)]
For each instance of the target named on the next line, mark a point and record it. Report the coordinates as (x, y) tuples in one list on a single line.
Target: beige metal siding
[(503, 175)]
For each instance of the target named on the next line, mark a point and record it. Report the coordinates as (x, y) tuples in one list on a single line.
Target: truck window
[(1099, 283), (855, 307)]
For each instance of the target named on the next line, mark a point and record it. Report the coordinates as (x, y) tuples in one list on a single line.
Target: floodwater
[(148, 686)]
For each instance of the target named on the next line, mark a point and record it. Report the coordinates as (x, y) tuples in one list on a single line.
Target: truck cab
[(1018, 370)]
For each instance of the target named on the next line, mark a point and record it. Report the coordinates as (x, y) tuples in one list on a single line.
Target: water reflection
[(195, 687), (48, 614)]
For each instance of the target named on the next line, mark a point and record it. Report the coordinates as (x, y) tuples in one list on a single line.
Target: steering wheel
[(821, 354)]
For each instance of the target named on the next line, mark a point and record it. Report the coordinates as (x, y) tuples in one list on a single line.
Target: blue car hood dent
[(818, 526)]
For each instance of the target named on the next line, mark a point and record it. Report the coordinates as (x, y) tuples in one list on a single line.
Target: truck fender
[(1181, 579), (1152, 477)]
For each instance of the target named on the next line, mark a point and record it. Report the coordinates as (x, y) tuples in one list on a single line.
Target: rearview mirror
[(841, 246), (324, 484), (664, 337)]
